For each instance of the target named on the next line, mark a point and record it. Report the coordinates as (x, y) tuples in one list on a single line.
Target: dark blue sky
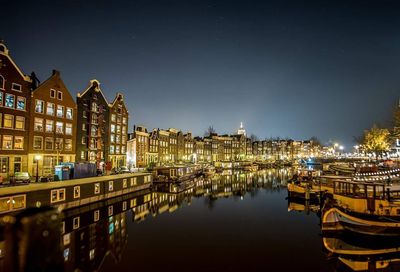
[(285, 68)]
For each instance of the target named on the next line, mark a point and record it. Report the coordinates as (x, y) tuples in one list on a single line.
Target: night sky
[(285, 68)]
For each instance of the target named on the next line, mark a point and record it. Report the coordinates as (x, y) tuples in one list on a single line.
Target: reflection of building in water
[(91, 232), (368, 254)]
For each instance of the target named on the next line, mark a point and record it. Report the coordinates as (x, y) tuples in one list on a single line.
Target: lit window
[(112, 138), (21, 103), (50, 108), (93, 131), (96, 215), (76, 222), (94, 118), (83, 127), (49, 125), (77, 191), (118, 139), (122, 149), (57, 195), (16, 87), (37, 142), (117, 149), (118, 129), (83, 139), (1, 98), (110, 185), (8, 121), (7, 142), (113, 117), (68, 129), (95, 108), (69, 113), (52, 93), (124, 120), (48, 143), (112, 128), (39, 106), (83, 155), (38, 124), (20, 122), (59, 127), (97, 188), (9, 102), (124, 183), (60, 111), (68, 144), (110, 210), (59, 144), (111, 149), (124, 130)]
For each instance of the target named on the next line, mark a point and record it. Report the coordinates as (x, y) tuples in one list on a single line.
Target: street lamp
[(37, 158)]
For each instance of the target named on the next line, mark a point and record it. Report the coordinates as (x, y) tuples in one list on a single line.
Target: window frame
[(5, 101), (16, 104), (41, 143), (53, 91), (16, 84)]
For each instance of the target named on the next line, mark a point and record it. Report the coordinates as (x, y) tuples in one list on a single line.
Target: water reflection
[(91, 233), (351, 252)]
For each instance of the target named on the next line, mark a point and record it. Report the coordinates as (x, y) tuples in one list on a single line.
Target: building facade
[(52, 137), (15, 98), (92, 126), (118, 132), (153, 148), (141, 137)]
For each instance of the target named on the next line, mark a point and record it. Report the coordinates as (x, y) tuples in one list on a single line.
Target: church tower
[(241, 130)]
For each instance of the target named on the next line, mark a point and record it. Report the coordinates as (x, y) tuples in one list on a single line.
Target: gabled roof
[(119, 96), (95, 84), (4, 51), (55, 74)]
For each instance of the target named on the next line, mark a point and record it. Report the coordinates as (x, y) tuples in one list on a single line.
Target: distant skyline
[(293, 69)]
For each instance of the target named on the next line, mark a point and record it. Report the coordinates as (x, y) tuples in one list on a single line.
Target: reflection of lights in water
[(241, 197)]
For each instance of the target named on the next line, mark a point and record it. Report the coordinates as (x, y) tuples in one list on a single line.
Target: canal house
[(92, 126), (118, 132), (15, 97), (52, 136)]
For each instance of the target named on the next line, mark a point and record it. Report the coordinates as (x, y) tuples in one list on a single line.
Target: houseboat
[(365, 208), (176, 173), (71, 193)]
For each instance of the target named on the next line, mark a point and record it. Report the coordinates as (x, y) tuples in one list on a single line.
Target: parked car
[(21, 177)]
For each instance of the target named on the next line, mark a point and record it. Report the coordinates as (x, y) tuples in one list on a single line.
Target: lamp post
[(37, 158)]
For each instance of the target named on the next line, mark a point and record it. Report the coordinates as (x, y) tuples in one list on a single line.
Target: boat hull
[(378, 227)]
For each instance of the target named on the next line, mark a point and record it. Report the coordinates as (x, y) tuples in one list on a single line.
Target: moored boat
[(176, 173), (365, 208)]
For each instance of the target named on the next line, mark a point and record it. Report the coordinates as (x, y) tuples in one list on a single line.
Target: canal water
[(240, 222), (237, 221)]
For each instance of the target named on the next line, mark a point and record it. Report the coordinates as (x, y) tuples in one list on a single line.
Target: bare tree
[(253, 138), (210, 130), (315, 141)]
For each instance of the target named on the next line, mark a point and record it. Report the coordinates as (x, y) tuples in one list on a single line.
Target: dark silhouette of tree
[(315, 141), (253, 138), (210, 130)]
